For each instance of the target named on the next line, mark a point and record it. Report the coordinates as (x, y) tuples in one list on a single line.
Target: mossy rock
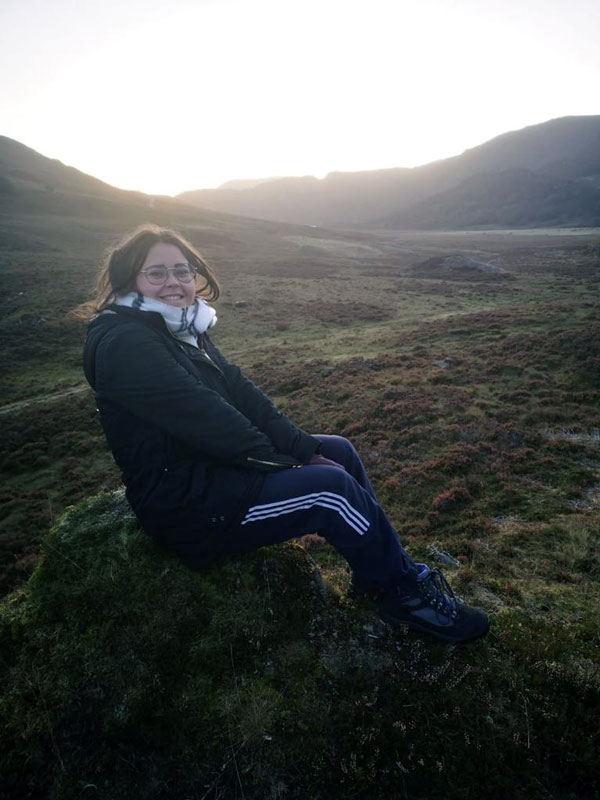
[(114, 646), (125, 675)]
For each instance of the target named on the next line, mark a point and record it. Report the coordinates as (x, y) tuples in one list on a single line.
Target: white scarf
[(185, 323)]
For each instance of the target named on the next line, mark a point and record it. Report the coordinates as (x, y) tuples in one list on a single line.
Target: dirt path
[(51, 397)]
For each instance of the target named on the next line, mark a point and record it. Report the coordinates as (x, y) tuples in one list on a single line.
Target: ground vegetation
[(475, 407)]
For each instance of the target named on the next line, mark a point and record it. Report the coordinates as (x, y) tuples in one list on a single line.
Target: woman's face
[(172, 291)]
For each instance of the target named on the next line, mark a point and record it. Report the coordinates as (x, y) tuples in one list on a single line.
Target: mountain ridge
[(562, 188), (566, 148)]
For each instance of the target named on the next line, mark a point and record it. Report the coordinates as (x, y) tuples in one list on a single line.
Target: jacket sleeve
[(135, 370), (254, 404)]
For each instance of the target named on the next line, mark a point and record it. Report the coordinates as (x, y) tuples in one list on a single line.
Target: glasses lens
[(184, 273), (156, 275)]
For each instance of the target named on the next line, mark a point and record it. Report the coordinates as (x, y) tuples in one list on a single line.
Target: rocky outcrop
[(459, 266)]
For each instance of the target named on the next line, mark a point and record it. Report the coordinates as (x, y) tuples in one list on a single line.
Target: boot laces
[(438, 593)]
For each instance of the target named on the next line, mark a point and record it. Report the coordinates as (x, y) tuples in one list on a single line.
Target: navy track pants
[(339, 505)]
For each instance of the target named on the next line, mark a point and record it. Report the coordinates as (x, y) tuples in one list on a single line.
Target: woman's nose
[(171, 279)]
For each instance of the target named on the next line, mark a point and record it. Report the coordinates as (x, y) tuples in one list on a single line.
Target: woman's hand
[(321, 461)]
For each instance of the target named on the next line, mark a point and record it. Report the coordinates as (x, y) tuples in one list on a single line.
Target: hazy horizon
[(265, 179), (168, 98)]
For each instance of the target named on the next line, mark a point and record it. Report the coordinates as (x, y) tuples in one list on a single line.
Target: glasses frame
[(173, 269)]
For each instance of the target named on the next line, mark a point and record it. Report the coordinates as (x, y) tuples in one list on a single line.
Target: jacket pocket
[(192, 496), (275, 463)]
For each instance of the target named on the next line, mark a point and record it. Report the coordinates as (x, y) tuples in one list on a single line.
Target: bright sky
[(169, 95)]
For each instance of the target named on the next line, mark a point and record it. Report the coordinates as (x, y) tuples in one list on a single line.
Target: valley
[(473, 398)]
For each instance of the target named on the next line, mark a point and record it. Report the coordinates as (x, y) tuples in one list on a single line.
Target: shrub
[(452, 498)]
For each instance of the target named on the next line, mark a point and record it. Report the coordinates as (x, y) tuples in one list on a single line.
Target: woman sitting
[(211, 467)]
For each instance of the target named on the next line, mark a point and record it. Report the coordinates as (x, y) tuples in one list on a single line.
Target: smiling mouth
[(172, 296)]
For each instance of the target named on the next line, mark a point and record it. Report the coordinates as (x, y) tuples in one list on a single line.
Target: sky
[(165, 97)]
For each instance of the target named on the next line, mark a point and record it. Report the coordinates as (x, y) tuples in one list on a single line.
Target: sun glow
[(165, 98)]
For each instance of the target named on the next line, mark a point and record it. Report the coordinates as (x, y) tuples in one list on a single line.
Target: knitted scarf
[(184, 323)]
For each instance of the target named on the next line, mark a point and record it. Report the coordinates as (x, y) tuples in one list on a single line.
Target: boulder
[(118, 661), (459, 266)]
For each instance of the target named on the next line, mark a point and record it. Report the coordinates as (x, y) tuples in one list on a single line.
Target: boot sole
[(440, 636)]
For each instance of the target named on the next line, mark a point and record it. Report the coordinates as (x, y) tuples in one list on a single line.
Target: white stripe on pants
[(324, 499)]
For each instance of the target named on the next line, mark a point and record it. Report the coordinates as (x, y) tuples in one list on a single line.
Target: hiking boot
[(427, 604)]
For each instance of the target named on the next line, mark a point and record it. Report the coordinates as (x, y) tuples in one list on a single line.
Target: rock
[(466, 262), (319, 584), (443, 557), (440, 266), (240, 304), (125, 644), (447, 363)]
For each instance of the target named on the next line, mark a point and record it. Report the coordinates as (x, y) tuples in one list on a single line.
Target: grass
[(127, 672), (248, 680)]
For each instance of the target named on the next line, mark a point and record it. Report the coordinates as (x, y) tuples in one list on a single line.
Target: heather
[(475, 406), (126, 673)]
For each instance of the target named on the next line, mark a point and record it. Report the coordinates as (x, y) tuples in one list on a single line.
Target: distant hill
[(509, 199), (546, 174), (32, 184), (246, 183), (543, 175), (24, 169), (46, 206)]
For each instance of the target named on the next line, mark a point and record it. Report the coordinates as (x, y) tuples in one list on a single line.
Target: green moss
[(126, 674)]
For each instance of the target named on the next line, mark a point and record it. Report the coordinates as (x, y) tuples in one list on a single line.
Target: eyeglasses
[(159, 273)]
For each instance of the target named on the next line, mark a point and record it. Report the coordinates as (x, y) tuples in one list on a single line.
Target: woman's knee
[(338, 448), (340, 483), (317, 479)]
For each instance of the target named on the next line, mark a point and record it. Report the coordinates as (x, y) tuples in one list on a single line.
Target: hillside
[(22, 169), (47, 206), (562, 154), (126, 674), (464, 367), (506, 199)]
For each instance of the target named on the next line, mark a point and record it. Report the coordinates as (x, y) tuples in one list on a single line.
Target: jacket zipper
[(273, 463), (201, 349)]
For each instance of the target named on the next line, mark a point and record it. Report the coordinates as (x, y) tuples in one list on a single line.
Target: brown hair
[(125, 260)]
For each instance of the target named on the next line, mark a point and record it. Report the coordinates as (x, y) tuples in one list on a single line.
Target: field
[(364, 334), (473, 398)]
